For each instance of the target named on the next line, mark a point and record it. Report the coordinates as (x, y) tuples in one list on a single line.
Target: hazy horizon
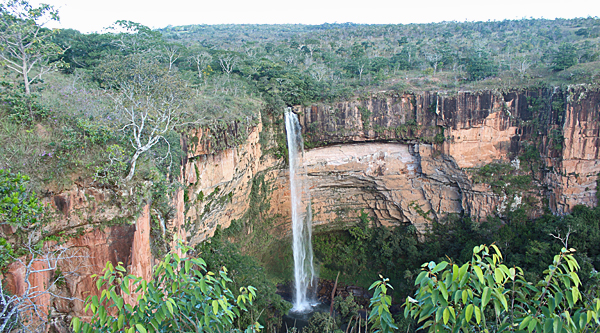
[(87, 17)]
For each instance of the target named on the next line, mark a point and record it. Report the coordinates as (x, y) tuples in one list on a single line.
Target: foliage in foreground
[(268, 308), (362, 252), (380, 316), (182, 296), (485, 295), (18, 206)]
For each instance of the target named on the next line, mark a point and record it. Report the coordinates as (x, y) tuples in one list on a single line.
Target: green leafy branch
[(182, 296), (484, 295)]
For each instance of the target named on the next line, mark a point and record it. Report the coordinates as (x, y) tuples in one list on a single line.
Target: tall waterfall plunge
[(304, 271)]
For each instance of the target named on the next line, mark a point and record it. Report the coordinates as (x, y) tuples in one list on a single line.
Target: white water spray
[(304, 272)]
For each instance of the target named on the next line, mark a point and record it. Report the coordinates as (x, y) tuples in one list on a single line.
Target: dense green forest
[(110, 109), (227, 73)]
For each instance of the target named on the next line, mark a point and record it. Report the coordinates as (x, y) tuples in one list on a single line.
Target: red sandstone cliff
[(404, 158)]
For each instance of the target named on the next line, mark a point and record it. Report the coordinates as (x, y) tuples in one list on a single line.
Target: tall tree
[(132, 37), (480, 65), (149, 100), (25, 44), (202, 59), (565, 57)]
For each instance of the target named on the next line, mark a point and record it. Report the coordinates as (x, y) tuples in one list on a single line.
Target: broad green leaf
[(469, 312), (503, 300), (532, 324), (497, 250), (478, 315), (497, 307), (498, 276), (125, 286), (582, 320), (206, 315), (442, 287), (567, 316), (485, 297), (505, 270), (452, 312), (120, 321), (569, 295), (446, 316), (215, 306), (525, 322), (557, 326), (418, 281), (76, 324), (551, 303), (438, 313), (575, 278), (479, 273), (548, 325), (455, 274), (462, 271), (140, 328), (439, 267), (546, 312), (559, 298)]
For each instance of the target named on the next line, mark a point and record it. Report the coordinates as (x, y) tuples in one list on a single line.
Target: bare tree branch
[(27, 307)]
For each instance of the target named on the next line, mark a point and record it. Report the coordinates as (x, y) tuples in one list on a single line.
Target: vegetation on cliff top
[(61, 123), (111, 108)]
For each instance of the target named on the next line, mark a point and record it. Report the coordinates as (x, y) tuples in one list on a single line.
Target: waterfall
[(304, 271)]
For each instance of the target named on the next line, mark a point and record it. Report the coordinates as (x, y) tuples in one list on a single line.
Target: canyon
[(403, 158)]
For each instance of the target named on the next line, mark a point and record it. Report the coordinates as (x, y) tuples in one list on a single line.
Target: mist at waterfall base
[(304, 271)]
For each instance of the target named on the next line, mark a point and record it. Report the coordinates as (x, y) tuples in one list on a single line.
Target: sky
[(93, 16)]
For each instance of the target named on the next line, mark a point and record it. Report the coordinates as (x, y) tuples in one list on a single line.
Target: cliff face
[(218, 185), (574, 178), (395, 182), (403, 158), (410, 158), (468, 131)]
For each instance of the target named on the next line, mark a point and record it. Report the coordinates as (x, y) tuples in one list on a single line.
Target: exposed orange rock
[(30, 277), (141, 257), (479, 128), (218, 186), (384, 153)]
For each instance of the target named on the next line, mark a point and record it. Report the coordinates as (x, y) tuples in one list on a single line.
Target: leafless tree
[(319, 72), (361, 68), (251, 52), (289, 58), (434, 59), (201, 59), (172, 53), (227, 62), (523, 66), (149, 100), (27, 310)]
